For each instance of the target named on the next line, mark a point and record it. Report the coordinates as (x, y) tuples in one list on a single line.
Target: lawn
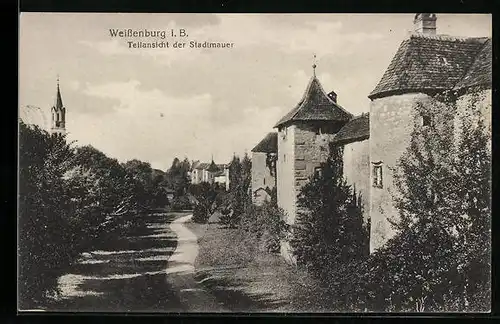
[(245, 278)]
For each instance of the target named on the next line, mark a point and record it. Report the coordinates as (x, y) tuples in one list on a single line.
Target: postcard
[(256, 163)]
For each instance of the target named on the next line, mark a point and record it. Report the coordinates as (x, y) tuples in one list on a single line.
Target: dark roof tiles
[(429, 62), (268, 144), (315, 105), (357, 129), (480, 72)]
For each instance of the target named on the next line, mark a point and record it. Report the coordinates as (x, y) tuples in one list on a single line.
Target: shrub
[(180, 203), (200, 214), (329, 228), (265, 224)]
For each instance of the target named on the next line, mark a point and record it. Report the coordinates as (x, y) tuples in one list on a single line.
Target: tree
[(238, 198), (177, 176), (329, 228), (443, 190), (45, 244)]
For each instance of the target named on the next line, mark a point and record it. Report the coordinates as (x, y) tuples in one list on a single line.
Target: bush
[(70, 200), (180, 203), (329, 229), (265, 224), (200, 214)]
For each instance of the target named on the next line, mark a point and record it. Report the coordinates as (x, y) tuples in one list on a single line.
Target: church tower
[(58, 113)]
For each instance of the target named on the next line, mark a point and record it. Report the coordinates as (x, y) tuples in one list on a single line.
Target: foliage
[(70, 199), (206, 195), (266, 225), (238, 197), (439, 259), (444, 183), (177, 176), (45, 243), (180, 203), (329, 228)]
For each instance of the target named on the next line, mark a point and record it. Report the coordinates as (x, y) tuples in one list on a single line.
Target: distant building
[(264, 168), (210, 173), (58, 114)]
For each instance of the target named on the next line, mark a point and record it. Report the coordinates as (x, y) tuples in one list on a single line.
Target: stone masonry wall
[(285, 168), (357, 171), (391, 122), (261, 178)]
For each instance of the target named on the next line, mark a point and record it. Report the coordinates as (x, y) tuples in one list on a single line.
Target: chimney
[(425, 23), (333, 96)]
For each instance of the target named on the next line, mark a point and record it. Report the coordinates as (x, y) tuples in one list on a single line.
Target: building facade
[(210, 173), (264, 168), (426, 68)]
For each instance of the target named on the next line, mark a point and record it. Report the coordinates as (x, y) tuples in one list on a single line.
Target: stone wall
[(285, 168), (391, 122), (261, 178), (356, 160), (299, 153)]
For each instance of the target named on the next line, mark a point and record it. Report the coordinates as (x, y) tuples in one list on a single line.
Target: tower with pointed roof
[(304, 134), (58, 114)]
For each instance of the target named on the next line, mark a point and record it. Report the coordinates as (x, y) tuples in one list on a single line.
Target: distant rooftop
[(268, 144)]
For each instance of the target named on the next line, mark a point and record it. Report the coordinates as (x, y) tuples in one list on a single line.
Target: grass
[(245, 278)]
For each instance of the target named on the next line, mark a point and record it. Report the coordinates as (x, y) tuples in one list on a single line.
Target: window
[(377, 175), (426, 120), (264, 180), (318, 172)]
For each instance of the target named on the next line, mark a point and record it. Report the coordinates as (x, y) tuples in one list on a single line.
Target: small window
[(318, 172), (377, 175), (264, 181), (426, 120)]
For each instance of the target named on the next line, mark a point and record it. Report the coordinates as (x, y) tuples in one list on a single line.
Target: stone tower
[(304, 135), (58, 113)]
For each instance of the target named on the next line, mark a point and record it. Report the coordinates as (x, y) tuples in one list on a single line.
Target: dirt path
[(181, 272), (125, 275)]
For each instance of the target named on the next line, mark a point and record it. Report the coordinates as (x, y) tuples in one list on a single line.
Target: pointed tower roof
[(315, 105), (59, 103), (213, 167)]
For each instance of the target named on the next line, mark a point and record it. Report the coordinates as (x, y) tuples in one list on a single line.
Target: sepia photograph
[(256, 163)]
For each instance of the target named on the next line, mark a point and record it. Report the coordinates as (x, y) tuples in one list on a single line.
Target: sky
[(157, 104)]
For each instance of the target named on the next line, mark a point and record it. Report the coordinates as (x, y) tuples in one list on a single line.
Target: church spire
[(59, 103), (58, 113), (314, 65)]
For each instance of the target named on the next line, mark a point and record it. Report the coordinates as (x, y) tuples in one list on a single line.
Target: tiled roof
[(315, 105), (202, 166), (269, 144), (428, 62), (209, 166), (357, 129), (481, 70)]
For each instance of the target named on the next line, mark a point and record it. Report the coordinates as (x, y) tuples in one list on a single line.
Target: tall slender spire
[(314, 65), (59, 103)]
